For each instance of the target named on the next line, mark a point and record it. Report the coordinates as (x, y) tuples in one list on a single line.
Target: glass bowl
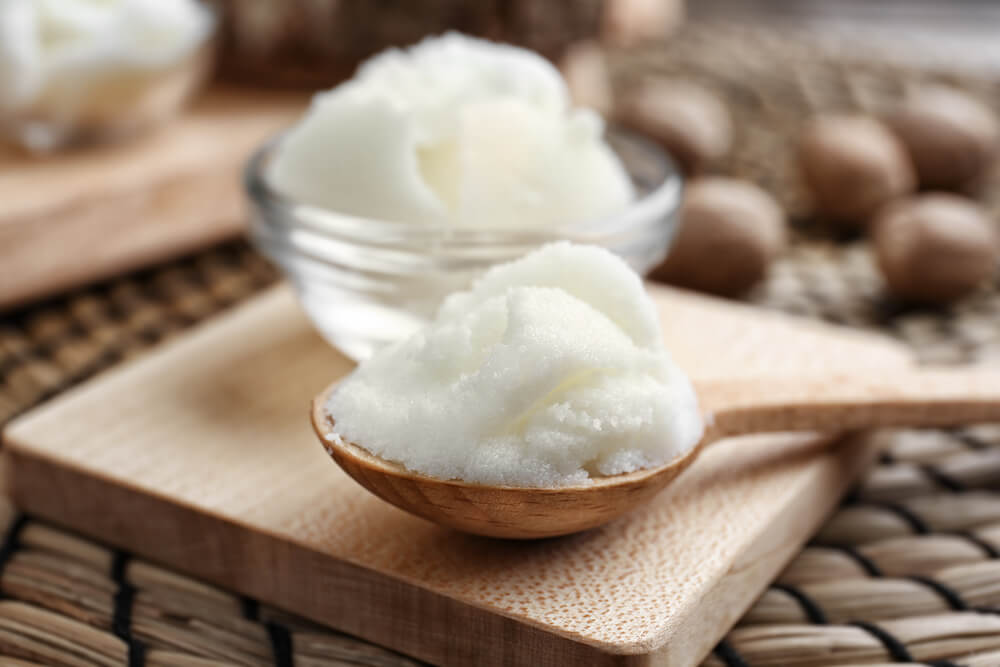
[(365, 283), (100, 106)]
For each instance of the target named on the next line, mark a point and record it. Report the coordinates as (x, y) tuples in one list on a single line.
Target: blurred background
[(109, 168)]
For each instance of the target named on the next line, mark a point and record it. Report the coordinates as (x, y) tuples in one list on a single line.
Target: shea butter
[(549, 371), (453, 131), (93, 62)]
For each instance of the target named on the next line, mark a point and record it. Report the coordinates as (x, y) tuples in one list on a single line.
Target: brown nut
[(586, 72), (852, 166), (935, 247), (730, 232), (951, 137), (689, 121)]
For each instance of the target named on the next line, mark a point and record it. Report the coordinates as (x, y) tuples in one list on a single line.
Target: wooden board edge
[(144, 237), (225, 553), (771, 550), (901, 353)]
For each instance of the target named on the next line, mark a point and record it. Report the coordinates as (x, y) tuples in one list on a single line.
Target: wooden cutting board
[(200, 456), (88, 214)]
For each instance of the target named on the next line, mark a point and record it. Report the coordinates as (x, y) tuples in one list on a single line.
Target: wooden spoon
[(831, 403)]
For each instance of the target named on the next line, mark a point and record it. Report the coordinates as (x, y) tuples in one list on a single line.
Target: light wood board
[(87, 214), (200, 456)]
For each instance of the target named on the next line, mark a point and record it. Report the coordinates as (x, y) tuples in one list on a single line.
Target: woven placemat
[(907, 571)]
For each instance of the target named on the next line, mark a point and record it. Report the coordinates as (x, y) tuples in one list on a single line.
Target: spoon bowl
[(830, 403), (496, 511)]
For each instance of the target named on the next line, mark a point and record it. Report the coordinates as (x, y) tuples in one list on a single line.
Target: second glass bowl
[(365, 283), (107, 99)]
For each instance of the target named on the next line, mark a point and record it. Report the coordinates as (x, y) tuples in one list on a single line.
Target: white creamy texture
[(551, 369), (454, 130), (55, 49)]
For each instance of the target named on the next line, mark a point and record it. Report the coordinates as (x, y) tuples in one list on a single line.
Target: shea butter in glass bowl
[(79, 72), (365, 283)]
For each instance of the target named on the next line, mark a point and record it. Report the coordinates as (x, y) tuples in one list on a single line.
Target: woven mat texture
[(907, 570)]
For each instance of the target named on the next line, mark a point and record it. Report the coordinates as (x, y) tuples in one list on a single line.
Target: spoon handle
[(843, 401)]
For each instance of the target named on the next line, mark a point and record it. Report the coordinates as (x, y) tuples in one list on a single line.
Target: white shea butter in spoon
[(454, 130), (550, 370)]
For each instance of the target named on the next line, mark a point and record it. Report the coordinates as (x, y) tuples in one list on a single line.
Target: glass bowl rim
[(664, 198)]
